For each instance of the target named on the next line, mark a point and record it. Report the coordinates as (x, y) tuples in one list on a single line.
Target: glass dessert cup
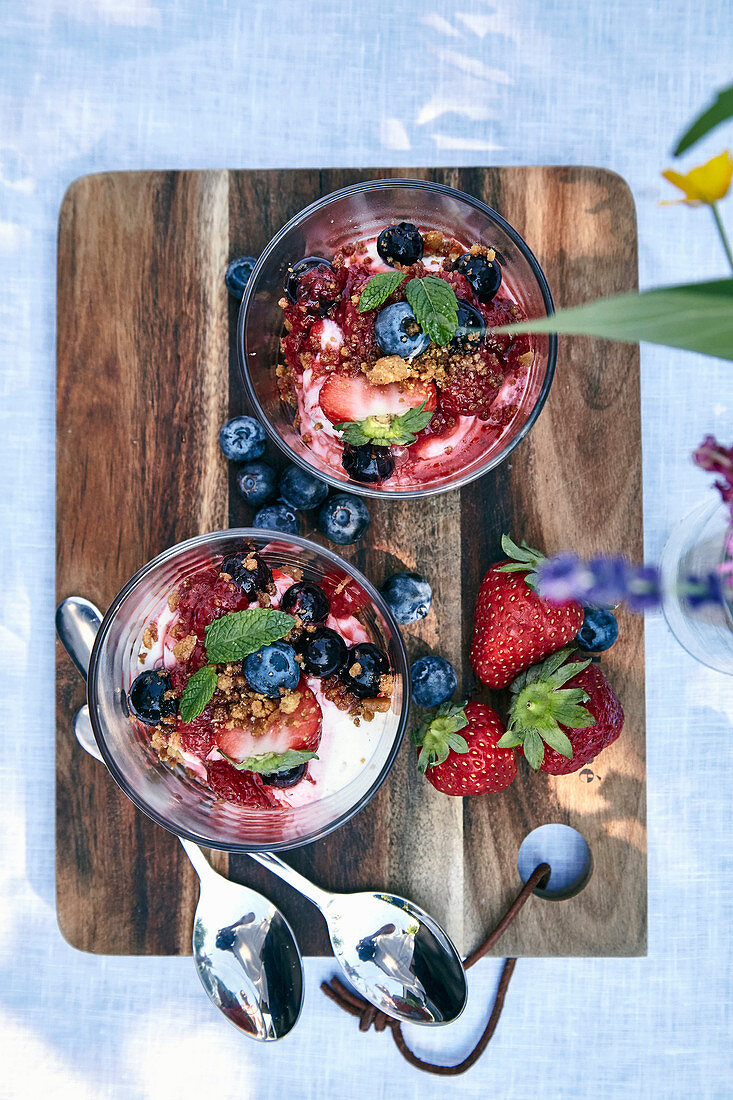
[(698, 547), (359, 213), (173, 798)]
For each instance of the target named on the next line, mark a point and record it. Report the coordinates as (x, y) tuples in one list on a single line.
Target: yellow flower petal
[(707, 183)]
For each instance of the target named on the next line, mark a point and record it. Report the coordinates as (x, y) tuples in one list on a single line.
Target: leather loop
[(368, 1015)]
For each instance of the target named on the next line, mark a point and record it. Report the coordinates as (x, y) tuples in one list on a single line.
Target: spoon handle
[(77, 623), (320, 898)]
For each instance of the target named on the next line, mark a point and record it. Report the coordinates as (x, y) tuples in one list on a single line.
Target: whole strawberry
[(512, 626), (468, 762), (563, 713)]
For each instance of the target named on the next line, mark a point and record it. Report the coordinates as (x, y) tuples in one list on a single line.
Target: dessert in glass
[(367, 345), (248, 691)]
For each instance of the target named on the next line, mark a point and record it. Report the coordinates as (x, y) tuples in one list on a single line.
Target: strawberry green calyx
[(540, 706), (387, 430), (438, 735), (523, 558)]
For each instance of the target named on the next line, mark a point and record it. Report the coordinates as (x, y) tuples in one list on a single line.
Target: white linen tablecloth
[(91, 85)]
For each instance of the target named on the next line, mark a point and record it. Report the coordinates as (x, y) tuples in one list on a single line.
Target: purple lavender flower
[(708, 589), (644, 589), (712, 456), (610, 581), (562, 578)]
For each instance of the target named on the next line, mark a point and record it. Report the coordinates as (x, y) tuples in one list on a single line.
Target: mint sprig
[(197, 693), (435, 306), (240, 633), (268, 762), (387, 430), (378, 289)]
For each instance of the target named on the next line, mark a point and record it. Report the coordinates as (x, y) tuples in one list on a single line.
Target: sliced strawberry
[(244, 788), (283, 731), (346, 399)]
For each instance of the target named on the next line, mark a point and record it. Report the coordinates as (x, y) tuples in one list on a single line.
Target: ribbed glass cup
[(170, 796), (358, 213)]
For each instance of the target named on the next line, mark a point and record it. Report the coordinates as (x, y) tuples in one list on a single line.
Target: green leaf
[(562, 675), (534, 750), (197, 693), (558, 741), (378, 289), (693, 316), (268, 762), (719, 111), (509, 740), (237, 635), (519, 553), (573, 715), (437, 735), (435, 306), (387, 430), (457, 743)]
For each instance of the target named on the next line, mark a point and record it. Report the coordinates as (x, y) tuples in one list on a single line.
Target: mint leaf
[(435, 306), (378, 289), (197, 693), (387, 430), (268, 762), (237, 635)]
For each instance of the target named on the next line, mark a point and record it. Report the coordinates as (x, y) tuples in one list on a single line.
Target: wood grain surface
[(147, 373)]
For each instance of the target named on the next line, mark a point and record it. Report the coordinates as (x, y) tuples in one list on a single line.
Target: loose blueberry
[(599, 630), (397, 332), (471, 328), (307, 601), (285, 779), (400, 244), (271, 668), (368, 463), (301, 490), (277, 517), (365, 665), (433, 681), (147, 697), (322, 651), (249, 572), (295, 272), (238, 275), (257, 482), (343, 519), (242, 439), (409, 597), (483, 275)]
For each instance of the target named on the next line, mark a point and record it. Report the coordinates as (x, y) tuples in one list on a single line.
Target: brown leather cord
[(356, 1006)]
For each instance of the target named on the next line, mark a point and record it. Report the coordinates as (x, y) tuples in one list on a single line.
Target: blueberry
[(433, 681), (343, 519), (409, 597), (599, 630), (365, 664), (272, 667), (307, 601), (242, 438), (397, 332), (147, 697), (277, 517), (368, 463), (285, 779), (248, 571), (323, 651), (238, 274), (257, 482), (483, 275), (294, 273), (301, 490), (471, 328), (400, 244)]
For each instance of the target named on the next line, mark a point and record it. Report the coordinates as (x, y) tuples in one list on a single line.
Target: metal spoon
[(245, 952), (392, 951)]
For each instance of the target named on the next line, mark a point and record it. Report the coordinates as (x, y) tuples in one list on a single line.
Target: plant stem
[(722, 234)]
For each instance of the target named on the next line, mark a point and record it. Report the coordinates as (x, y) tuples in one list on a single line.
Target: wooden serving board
[(147, 373)]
